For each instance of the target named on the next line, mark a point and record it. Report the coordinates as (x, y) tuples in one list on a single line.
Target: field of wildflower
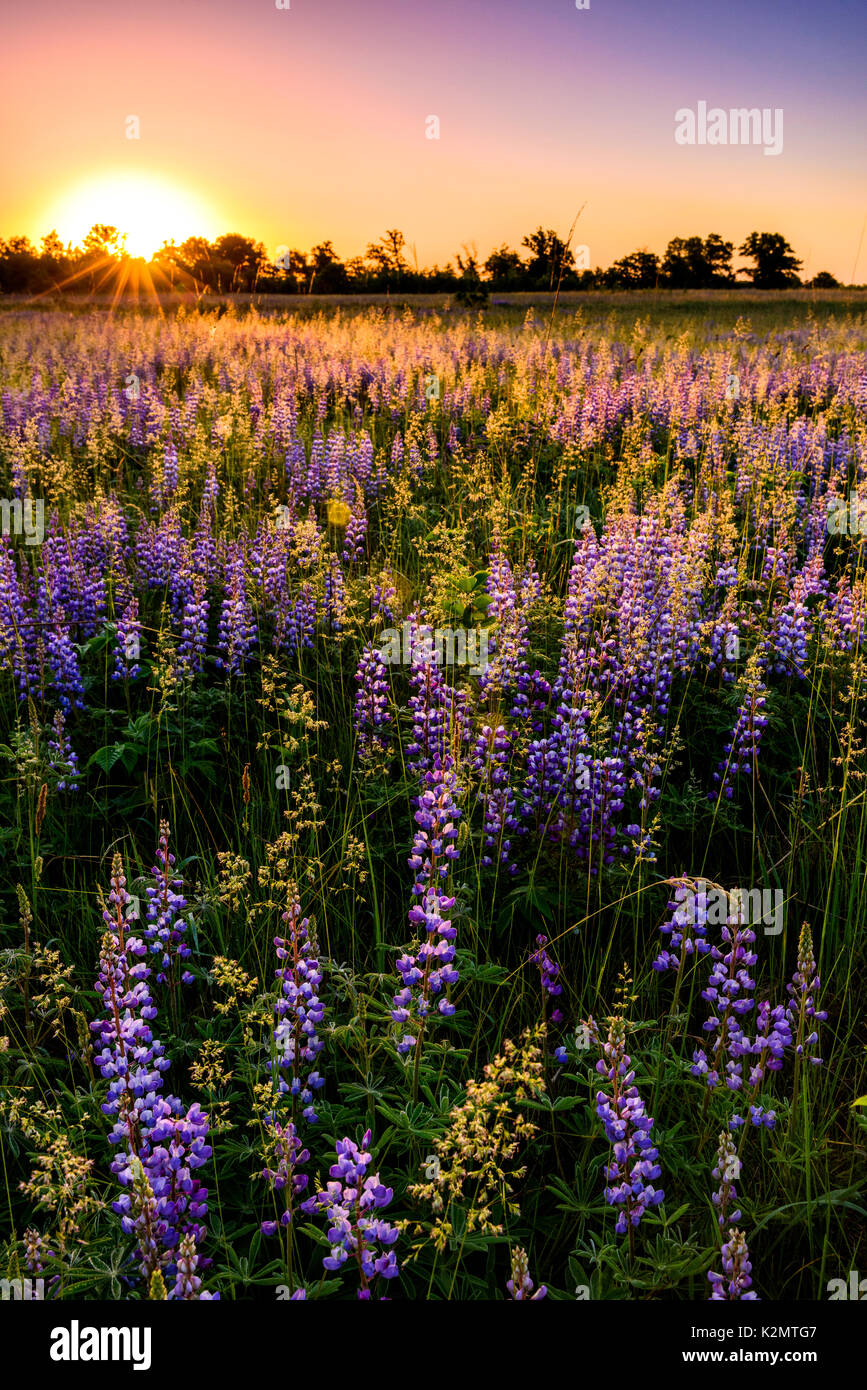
[(433, 813)]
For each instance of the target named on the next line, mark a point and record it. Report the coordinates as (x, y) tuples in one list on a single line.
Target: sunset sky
[(298, 125)]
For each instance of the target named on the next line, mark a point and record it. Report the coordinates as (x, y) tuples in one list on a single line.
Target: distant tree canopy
[(774, 261), (543, 262), (691, 262)]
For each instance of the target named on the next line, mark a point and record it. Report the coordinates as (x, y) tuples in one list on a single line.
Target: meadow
[(329, 969)]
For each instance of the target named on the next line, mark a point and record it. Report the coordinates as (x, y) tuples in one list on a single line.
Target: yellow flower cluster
[(473, 1164)]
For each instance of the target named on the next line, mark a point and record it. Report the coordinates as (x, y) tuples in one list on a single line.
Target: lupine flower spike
[(735, 1282), (520, 1285), (633, 1168), (356, 1234)]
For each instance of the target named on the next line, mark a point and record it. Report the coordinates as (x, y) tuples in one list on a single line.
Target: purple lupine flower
[(237, 629), (520, 1286), (295, 628), (298, 1012), (687, 927), (430, 971), (630, 1175), (176, 1146), (356, 1234), (507, 668), (128, 644), (287, 1155), (187, 1283), (548, 969), (735, 1280), (356, 530), (742, 750), (803, 996), (372, 717), (166, 929), (194, 629), (334, 596), (551, 987), (773, 1036), (491, 756), (159, 1146), (130, 1059), (60, 654), (430, 702), (728, 992), (62, 758), (728, 1167), (382, 602)]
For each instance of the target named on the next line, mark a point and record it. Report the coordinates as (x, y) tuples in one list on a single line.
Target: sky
[(310, 123)]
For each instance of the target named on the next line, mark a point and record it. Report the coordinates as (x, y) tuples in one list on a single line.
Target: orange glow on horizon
[(146, 209)]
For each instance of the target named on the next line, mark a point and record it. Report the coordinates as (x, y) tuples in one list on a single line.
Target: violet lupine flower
[(298, 1012), (159, 1146), (237, 629), (187, 1283), (549, 971), (60, 654), (742, 750), (773, 1036), (130, 1058), (687, 928), (727, 1168), (372, 715), (520, 1285), (629, 1177), (128, 644), (510, 638), (382, 602), (728, 992), (175, 1147), (62, 758), (166, 928), (296, 628), (734, 1282), (428, 703), (430, 971), (803, 994), (532, 697), (356, 530), (287, 1155), (351, 1201), (334, 596), (194, 629), (490, 758), (790, 633)]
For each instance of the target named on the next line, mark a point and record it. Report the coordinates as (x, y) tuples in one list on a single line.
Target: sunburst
[(146, 209)]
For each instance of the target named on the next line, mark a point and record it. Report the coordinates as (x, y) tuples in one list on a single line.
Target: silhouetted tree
[(824, 281), (505, 269), (639, 270), (386, 257), (775, 263), (551, 258), (693, 263), (238, 261), (19, 265), (470, 290), (193, 259), (327, 271)]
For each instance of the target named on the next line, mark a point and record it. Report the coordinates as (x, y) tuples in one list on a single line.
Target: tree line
[(544, 261)]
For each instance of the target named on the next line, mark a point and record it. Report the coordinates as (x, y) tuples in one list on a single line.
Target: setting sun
[(145, 208)]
